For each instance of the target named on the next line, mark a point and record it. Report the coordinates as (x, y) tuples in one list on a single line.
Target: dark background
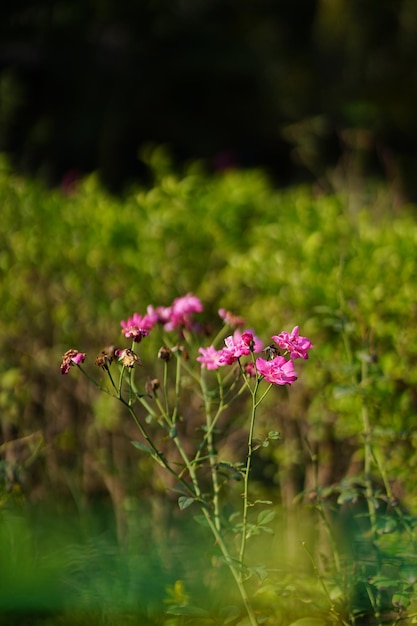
[(292, 86)]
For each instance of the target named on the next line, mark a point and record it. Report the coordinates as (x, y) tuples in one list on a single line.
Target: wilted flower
[(127, 357), (70, 358), (297, 346), (152, 385), (106, 356), (164, 354), (277, 371)]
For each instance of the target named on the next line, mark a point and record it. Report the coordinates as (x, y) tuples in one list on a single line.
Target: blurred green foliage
[(74, 264)]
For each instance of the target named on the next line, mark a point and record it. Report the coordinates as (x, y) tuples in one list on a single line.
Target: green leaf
[(401, 600), (347, 495), (200, 519), (260, 571), (184, 502), (273, 434), (141, 446), (383, 582), (265, 517)]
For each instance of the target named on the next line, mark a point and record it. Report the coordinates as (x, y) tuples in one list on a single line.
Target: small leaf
[(273, 434), (184, 502), (347, 495), (401, 600), (383, 582), (141, 446), (260, 571), (200, 519), (265, 517)]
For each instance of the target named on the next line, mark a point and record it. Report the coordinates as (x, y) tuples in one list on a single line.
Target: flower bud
[(151, 386), (164, 354)]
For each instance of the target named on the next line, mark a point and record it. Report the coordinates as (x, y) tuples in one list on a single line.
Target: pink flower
[(250, 369), (138, 326), (278, 371), (231, 318), (210, 358), (297, 346), (70, 358), (237, 345), (180, 312)]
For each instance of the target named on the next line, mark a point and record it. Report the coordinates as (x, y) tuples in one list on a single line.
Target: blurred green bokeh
[(341, 266)]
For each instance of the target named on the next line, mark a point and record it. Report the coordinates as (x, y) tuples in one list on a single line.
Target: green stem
[(232, 568), (211, 453), (216, 530), (166, 387), (324, 586), (247, 474), (320, 508), (177, 389), (157, 455), (369, 491)]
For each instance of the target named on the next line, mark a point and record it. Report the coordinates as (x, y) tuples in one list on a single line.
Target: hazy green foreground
[(88, 533)]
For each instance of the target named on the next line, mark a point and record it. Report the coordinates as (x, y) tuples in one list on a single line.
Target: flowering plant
[(221, 375)]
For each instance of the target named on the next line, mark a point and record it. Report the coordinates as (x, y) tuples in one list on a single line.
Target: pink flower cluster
[(237, 345), (276, 368), (177, 316), (277, 371)]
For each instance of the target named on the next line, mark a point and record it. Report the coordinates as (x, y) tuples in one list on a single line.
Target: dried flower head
[(164, 354), (70, 358), (152, 385), (106, 356), (127, 357)]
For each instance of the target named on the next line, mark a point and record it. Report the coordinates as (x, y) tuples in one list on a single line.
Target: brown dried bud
[(182, 350), (152, 385), (164, 354), (106, 356)]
